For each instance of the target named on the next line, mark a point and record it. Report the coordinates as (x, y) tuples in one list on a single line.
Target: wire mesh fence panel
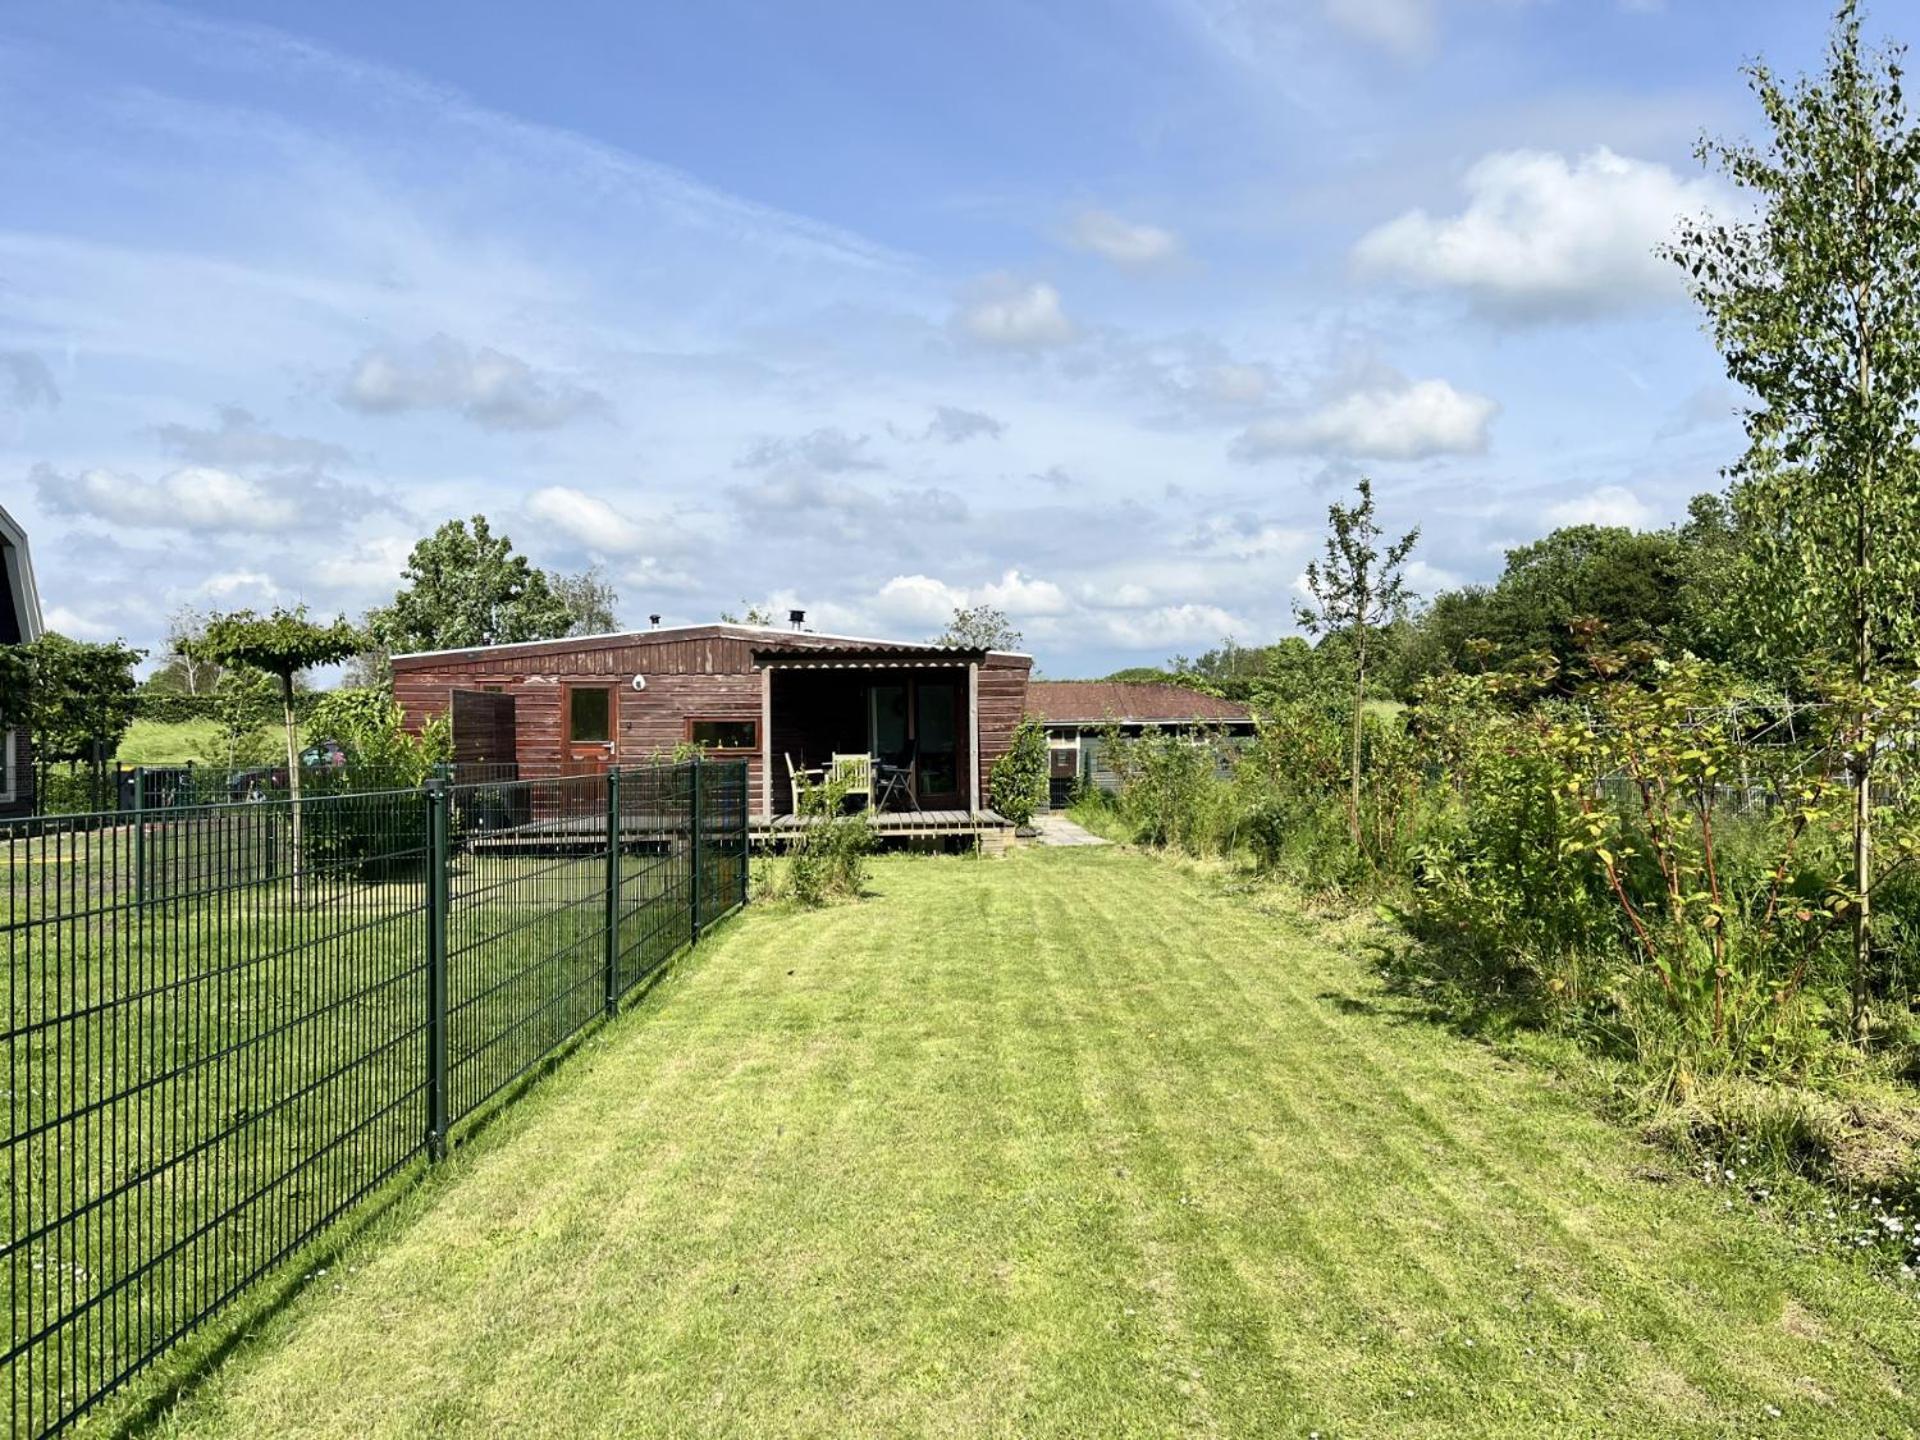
[(227, 1024), (202, 1070), (526, 938)]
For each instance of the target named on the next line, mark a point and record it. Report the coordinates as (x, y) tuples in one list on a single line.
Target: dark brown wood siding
[(1003, 699)]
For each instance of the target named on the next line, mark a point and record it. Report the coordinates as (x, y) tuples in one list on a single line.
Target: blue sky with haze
[(1081, 310)]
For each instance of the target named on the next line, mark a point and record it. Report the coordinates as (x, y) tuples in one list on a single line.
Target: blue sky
[(1082, 310)]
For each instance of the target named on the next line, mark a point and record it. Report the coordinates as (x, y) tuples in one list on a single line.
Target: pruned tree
[(76, 699), (1357, 588), (981, 627), (464, 585), (282, 644), (1814, 303)]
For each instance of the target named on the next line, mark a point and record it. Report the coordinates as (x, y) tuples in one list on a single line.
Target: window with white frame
[(9, 766)]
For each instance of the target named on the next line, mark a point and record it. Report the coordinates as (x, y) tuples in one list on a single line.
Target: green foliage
[(381, 752), (1357, 587), (76, 699), (750, 614), (827, 860), (1017, 784), (371, 825), (282, 643), (1815, 305), (981, 627), (467, 586)]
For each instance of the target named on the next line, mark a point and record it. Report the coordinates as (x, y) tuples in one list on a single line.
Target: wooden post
[(973, 736)]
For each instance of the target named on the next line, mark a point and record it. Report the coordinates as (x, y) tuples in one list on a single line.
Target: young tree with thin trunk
[(282, 644), (1357, 588), (1815, 304)]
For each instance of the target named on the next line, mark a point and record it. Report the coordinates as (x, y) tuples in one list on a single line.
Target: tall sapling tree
[(1356, 588), (1815, 304)]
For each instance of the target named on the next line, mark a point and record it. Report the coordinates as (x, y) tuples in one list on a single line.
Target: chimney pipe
[(654, 620), (797, 618)]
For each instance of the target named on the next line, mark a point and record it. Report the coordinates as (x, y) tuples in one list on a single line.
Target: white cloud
[(1544, 237), (587, 520), (925, 600), (196, 498), (1242, 537), (1122, 241), (1020, 316), (494, 390), (371, 569), (229, 584), (1608, 505), (1168, 627), (75, 626), (1409, 421), (1403, 28)]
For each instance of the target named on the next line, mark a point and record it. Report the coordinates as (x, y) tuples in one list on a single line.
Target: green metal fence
[(220, 1038)]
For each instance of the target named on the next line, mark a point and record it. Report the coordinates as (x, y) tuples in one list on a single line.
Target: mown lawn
[(1066, 1144)]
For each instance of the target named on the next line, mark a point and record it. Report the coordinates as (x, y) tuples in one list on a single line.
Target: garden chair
[(856, 773), (893, 779)]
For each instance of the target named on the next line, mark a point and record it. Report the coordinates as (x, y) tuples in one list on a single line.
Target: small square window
[(724, 734), (590, 716)]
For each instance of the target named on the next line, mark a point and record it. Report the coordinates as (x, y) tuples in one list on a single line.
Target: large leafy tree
[(1357, 587), (464, 585), (1814, 302), (282, 645)]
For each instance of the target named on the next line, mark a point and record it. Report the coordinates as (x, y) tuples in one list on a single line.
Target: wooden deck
[(988, 828)]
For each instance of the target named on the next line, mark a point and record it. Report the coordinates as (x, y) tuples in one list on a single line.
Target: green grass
[(1075, 1144), (172, 742)]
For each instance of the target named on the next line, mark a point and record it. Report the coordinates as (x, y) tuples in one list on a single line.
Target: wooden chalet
[(767, 696)]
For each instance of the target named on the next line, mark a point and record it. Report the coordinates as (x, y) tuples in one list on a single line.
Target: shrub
[(372, 836), (1017, 783), (827, 860)]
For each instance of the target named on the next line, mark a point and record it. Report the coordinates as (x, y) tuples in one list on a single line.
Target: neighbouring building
[(773, 698), (19, 625), (1078, 714)]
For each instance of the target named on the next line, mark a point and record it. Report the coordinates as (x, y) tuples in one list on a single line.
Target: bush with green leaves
[(827, 857), (371, 818), (1017, 784)]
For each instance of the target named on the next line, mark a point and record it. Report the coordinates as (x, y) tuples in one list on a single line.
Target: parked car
[(259, 782)]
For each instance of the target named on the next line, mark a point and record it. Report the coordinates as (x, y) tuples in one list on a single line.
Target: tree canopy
[(463, 585), (981, 627)]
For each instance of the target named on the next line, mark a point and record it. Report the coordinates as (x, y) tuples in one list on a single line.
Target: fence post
[(746, 831), (613, 889), (435, 800), (139, 833), (693, 832)]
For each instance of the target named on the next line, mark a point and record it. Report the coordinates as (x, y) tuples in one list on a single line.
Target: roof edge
[(773, 633), (19, 568)]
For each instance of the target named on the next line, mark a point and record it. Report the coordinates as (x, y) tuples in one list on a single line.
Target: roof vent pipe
[(797, 618), (654, 620)]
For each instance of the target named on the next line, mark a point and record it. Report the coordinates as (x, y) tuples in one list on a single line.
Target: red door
[(590, 719)]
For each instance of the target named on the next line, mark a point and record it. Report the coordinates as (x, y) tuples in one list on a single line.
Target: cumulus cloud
[(1121, 241), (1168, 627), (29, 381), (1410, 420), (1017, 315), (1608, 505), (1544, 237), (587, 520), (494, 390), (1245, 537), (830, 450), (1403, 28), (240, 441), (955, 426), (195, 498), (926, 600)]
